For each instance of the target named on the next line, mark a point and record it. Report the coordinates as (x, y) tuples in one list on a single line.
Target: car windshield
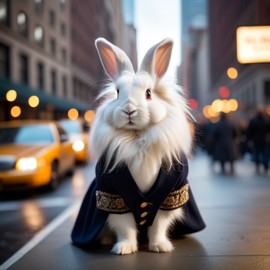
[(29, 134), (72, 127)]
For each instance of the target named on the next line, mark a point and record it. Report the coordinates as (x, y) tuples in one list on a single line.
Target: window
[(4, 61), (4, 12), (75, 86), (53, 46), (64, 81), (22, 23), (52, 18), (34, 134), (53, 81), (63, 4), (39, 5), (39, 35), (64, 55), (63, 29), (40, 76), (23, 72), (62, 133)]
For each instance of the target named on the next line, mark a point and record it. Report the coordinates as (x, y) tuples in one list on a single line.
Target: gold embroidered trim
[(110, 202), (115, 204), (176, 198)]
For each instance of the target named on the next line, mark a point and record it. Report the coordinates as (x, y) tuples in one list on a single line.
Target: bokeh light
[(224, 91), (11, 95), (233, 105), (193, 103), (15, 111), (33, 101), (232, 73), (73, 114), (213, 111), (89, 116), (217, 105)]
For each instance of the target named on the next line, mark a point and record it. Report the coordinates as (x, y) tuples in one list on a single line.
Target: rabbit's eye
[(148, 94), (117, 90)]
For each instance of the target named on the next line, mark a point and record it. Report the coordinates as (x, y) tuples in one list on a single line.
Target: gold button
[(144, 214), (142, 222), (144, 204)]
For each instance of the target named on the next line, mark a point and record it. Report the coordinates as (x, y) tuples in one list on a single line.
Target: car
[(33, 154), (78, 132)]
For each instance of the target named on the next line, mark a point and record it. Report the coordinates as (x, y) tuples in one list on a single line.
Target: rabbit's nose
[(129, 113), (129, 109)]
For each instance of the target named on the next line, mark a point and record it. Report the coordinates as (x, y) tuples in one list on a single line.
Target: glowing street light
[(15, 111), (33, 101), (89, 116), (232, 73), (11, 95), (73, 114), (224, 91)]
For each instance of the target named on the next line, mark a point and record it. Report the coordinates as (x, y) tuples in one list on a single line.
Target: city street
[(135, 92), (235, 209), (23, 214)]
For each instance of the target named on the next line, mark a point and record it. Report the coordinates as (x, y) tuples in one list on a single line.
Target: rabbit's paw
[(162, 246), (124, 247)]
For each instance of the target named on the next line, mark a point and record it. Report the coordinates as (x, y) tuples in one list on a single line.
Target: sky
[(156, 20)]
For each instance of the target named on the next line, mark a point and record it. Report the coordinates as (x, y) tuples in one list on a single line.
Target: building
[(47, 50), (35, 57), (252, 84), (90, 20), (194, 72), (87, 24), (129, 43)]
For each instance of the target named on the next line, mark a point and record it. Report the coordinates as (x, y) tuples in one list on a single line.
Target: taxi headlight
[(78, 145), (26, 164)]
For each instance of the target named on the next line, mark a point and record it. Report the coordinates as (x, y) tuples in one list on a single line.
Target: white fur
[(158, 134)]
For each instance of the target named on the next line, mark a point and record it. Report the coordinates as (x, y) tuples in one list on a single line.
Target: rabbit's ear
[(113, 59), (157, 59)]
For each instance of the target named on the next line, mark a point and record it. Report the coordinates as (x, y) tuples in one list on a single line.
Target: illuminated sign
[(253, 44)]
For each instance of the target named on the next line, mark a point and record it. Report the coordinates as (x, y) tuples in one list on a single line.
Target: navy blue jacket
[(117, 192)]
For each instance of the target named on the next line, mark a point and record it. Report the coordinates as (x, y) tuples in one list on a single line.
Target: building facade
[(35, 56), (194, 72), (210, 51), (252, 85), (47, 50)]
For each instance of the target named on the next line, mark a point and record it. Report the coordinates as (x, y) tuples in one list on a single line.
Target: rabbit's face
[(140, 114), (136, 105)]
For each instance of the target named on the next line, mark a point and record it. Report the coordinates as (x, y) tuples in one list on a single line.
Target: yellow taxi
[(78, 132), (33, 154)]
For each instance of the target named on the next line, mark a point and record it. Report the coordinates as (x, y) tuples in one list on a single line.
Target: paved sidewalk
[(236, 211)]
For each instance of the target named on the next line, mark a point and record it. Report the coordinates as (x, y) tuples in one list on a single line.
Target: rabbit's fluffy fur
[(142, 121)]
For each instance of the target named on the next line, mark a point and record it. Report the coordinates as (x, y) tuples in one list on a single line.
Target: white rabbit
[(142, 122)]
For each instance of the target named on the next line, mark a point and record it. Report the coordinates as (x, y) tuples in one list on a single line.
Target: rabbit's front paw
[(124, 247), (161, 246)]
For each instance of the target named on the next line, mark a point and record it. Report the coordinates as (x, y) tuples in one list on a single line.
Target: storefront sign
[(253, 44)]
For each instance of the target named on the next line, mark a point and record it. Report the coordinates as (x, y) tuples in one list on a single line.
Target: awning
[(45, 99)]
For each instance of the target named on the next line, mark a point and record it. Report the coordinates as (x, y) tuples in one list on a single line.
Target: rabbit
[(143, 123)]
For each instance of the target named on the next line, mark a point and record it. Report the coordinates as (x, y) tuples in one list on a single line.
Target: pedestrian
[(258, 132), (224, 135)]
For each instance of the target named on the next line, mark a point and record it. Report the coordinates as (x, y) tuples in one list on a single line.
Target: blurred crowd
[(228, 140)]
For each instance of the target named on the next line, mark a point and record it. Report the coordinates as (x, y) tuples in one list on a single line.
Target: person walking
[(224, 147), (257, 133)]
